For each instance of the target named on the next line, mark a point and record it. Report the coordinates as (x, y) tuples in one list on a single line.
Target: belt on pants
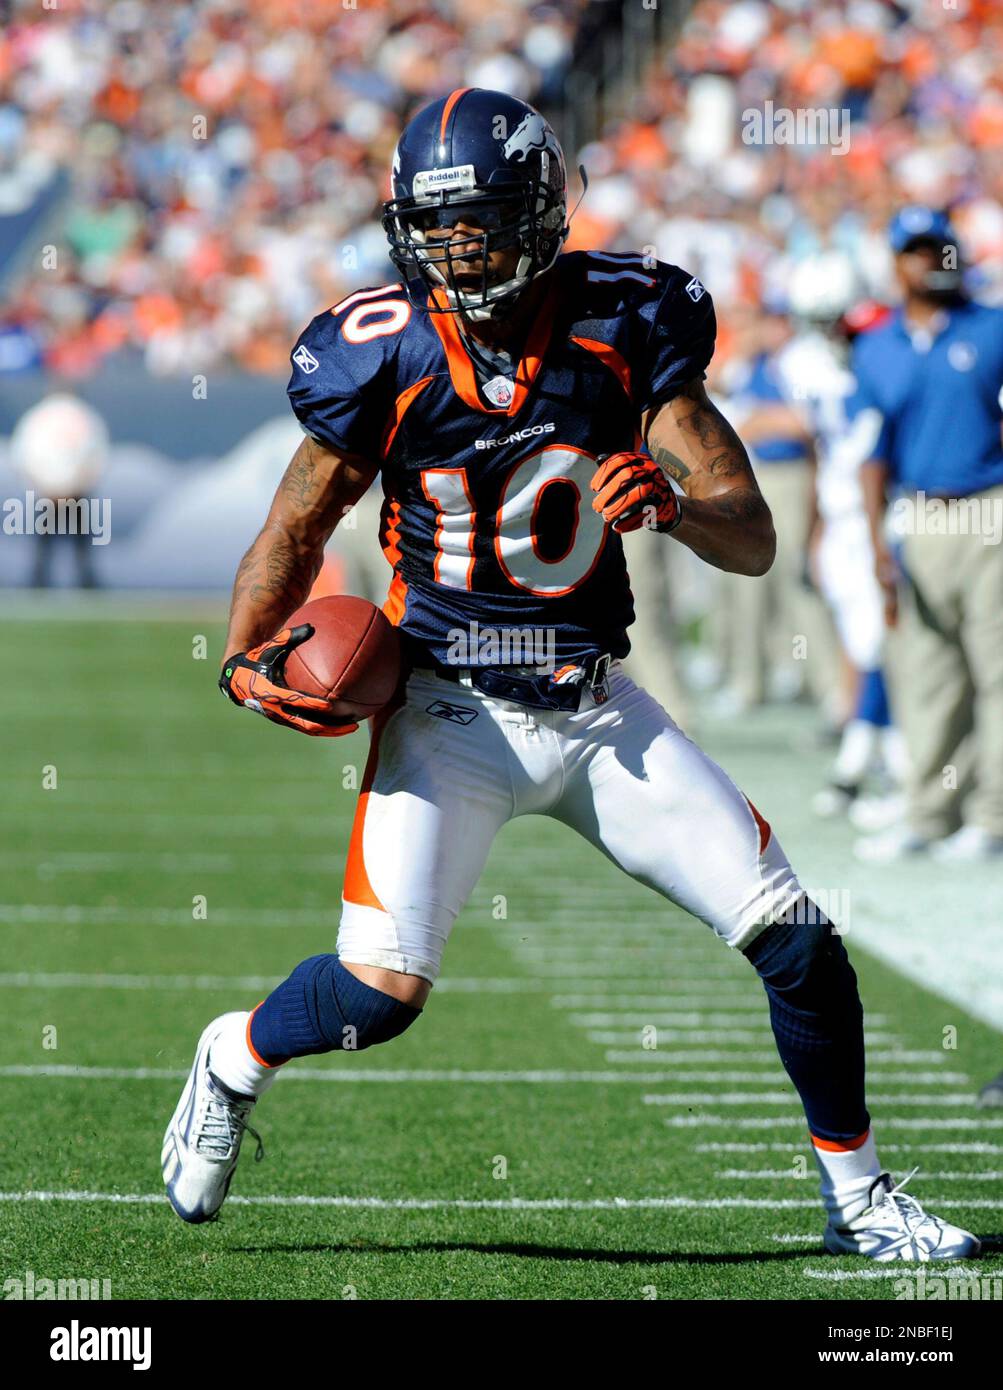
[(561, 688)]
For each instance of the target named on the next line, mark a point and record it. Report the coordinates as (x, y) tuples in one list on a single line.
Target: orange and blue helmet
[(492, 163)]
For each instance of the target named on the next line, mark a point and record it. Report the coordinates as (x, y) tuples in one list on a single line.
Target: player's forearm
[(273, 579), (725, 519), (874, 486), (276, 575), (733, 532)]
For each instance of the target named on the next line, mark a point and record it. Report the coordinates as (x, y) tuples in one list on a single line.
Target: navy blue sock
[(817, 1020), (872, 700), (322, 1007)]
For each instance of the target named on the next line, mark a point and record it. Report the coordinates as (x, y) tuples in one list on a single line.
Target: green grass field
[(518, 1142)]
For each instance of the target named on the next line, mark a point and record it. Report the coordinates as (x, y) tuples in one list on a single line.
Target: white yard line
[(900, 1271), (643, 1018), (778, 1146), (67, 980), (883, 1123), (519, 1204), (77, 914), (776, 1073), (610, 1037), (713, 1098), (785, 1174), (686, 1001), (452, 1076)]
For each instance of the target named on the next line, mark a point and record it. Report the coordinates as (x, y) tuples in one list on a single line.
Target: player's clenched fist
[(256, 680), (632, 491)]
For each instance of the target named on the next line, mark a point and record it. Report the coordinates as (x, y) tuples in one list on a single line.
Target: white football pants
[(449, 766)]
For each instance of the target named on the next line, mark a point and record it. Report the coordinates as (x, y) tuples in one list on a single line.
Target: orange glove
[(626, 486), (255, 680)]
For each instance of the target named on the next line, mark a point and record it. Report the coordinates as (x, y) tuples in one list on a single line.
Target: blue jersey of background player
[(487, 454)]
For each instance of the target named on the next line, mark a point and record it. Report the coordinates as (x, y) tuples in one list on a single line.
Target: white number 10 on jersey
[(525, 558)]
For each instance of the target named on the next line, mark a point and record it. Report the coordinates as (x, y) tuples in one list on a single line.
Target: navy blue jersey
[(487, 518)]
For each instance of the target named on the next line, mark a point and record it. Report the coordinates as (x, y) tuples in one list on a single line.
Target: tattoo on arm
[(743, 504), (668, 461), (712, 433), (300, 482), (276, 569)]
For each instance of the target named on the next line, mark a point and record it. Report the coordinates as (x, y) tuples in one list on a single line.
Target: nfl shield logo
[(499, 391), (305, 359)]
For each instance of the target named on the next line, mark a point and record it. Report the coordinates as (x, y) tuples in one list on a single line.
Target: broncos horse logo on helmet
[(488, 159)]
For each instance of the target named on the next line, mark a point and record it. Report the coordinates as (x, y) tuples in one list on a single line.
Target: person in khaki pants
[(934, 372), (947, 676)]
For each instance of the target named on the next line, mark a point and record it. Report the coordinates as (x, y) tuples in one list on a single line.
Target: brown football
[(353, 657)]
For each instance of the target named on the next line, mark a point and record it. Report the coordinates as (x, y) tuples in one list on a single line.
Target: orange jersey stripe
[(461, 368), (401, 404), (612, 359), (393, 607)]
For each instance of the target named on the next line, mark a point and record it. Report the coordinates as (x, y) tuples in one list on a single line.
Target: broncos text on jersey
[(487, 518)]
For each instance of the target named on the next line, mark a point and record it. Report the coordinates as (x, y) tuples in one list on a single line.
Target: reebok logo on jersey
[(456, 714), (695, 290), (514, 438), (305, 359)]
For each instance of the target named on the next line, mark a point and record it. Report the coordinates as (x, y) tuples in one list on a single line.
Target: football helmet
[(492, 162)]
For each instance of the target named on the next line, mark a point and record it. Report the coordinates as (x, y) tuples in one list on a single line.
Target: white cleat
[(897, 843), (969, 843), (895, 1227), (202, 1142), (873, 813)]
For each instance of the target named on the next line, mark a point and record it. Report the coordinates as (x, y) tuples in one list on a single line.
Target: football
[(352, 658)]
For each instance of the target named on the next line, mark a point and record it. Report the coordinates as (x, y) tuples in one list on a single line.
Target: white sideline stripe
[(476, 1204), (793, 1238), (782, 1098), (350, 1073), (745, 1174), (927, 1122), (778, 1146), (65, 980)]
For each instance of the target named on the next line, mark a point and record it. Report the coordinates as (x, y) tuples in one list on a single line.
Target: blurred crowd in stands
[(227, 160)]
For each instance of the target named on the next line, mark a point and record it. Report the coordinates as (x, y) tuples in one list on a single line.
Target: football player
[(523, 408)]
